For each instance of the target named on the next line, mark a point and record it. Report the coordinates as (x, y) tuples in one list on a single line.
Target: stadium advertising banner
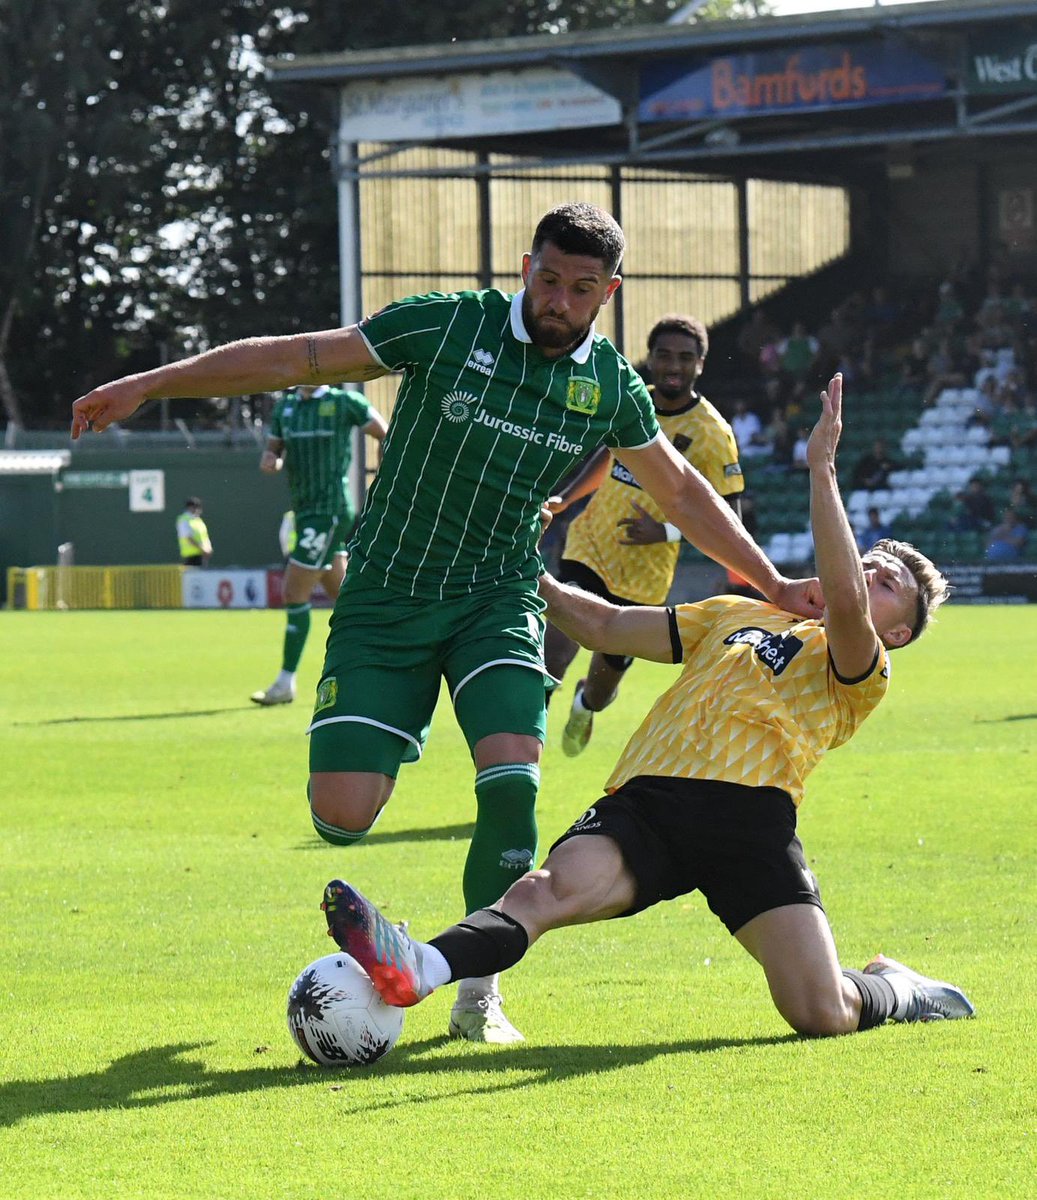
[(494, 102), (1002, 61), (813, 78), (224, 589)]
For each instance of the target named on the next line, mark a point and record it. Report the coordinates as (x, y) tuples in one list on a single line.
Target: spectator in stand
[(949, 311), (872, 469), (797, 354), (778, 435), (988, 403), (946, 368), (1006, 540), (1005, 416), (973, 509), (914, 366), (993, 322), (1018, 304), (882, 315), (748, 430), (1021, 499), (875, 530), (1024, 436), (759, 331), (838, 339)]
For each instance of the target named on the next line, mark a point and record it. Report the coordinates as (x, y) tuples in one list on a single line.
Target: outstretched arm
[(707, 521), (852, 640), (266, 364), (640, 632)]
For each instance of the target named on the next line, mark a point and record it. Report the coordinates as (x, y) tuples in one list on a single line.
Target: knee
[(336, 806), (531, 899), (818, 1016)]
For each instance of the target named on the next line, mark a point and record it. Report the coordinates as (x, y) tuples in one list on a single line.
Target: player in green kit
[(500, 397), (311, 437)]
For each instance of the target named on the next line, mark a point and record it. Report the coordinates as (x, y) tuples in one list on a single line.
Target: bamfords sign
[(805, 78)]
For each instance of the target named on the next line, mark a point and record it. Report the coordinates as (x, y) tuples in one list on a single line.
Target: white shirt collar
[(518, 327)]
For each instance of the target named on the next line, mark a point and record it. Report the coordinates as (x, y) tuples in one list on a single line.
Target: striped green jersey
[(484, 429), (318, 447)]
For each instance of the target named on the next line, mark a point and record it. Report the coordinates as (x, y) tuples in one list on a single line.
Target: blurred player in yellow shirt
[(621, 547), (705, 796)]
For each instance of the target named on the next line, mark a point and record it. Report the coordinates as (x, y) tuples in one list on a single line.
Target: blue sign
[(810, 79)]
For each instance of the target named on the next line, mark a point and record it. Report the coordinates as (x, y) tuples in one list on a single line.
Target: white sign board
[(407, 110), (147, 491), (224, 589)]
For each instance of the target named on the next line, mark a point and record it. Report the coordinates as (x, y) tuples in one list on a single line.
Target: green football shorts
[(318, 538), (388, 655)]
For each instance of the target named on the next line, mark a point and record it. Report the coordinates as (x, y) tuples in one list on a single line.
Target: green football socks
[(295, 634), (504, 843)]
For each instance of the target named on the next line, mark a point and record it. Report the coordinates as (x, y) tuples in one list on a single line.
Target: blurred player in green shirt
[(311, 437)]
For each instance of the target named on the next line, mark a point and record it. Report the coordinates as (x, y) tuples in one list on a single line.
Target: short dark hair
[(676, 323), (579, 228), (192, 502)]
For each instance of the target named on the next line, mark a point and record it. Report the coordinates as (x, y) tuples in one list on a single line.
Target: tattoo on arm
[(311, 352)]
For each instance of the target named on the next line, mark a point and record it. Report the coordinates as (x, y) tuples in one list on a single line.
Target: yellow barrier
[(50, 588)]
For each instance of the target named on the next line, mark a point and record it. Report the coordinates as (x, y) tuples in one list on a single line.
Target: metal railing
[(66, 587)]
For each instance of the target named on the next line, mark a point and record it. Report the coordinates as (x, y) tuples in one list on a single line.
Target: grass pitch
[(160, 891)]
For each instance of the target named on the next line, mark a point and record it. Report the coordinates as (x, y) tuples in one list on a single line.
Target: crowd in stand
[(976, 330)]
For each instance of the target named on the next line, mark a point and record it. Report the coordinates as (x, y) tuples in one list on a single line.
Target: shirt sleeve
[(355, 408), (410, 331), (694, 621)]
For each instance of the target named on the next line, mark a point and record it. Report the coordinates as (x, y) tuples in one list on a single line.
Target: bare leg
[(331, 577), (602, 683), (795, 947), (349, 800), (559, 651), (585, 879)]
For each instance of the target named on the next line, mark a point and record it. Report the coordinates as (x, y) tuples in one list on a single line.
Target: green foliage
[(160, 891), (156, 198)]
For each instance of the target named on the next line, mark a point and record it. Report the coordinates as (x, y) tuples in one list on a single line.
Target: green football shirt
[(318, 447), (484, 429)]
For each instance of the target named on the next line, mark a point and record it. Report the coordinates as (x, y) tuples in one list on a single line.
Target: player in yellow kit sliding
[(621, 547), (705, 795)]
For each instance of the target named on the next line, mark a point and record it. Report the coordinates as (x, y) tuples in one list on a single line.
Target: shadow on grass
[(167, 1074), (432, 833), (1002, 720), (166, 716)]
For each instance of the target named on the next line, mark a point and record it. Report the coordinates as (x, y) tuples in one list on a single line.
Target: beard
[(557, 334), (670, 391)]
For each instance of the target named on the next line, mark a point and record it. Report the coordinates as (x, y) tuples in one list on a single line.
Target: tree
[(155, 198)]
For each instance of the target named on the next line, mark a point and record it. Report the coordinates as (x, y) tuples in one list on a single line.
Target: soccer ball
[(337, 1018)]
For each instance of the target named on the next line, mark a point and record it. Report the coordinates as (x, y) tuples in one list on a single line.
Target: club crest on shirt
[(583, 396), (774, 650), (681, 442), (327, 694)]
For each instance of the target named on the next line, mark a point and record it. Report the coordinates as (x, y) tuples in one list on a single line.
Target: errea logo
[(481, 361)]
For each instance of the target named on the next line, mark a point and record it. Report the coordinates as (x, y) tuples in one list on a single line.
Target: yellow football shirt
[(757, 703), (644, 574)]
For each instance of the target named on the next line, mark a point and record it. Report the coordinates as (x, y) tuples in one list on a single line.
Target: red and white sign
[(224, 589)]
